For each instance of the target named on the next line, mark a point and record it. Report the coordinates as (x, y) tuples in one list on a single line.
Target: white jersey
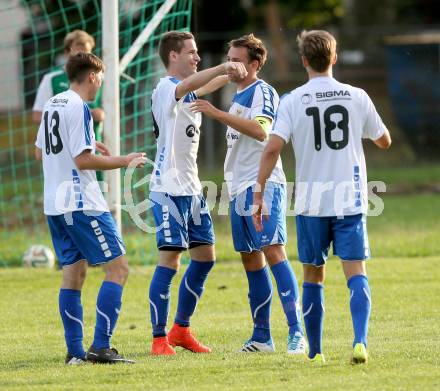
[(326, 121), (243, 155), (65, 131), (45, 89), (177, 130)]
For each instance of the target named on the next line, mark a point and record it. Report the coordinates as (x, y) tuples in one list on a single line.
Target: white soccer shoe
[(71, 360), (257, 347), (296, 343)]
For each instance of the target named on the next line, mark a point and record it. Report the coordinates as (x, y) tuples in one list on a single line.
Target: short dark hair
[(81, 64), (77, 37), (318, 47), (255, 48), (172, 41)]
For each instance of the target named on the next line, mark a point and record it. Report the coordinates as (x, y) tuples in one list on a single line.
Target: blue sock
[(289, 294), (191, 289), (160, 299), (72, 315), (108, 306), (313, 310), (360, 307), (260, 299)]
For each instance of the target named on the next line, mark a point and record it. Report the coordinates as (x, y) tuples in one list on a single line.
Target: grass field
[(404, 337)]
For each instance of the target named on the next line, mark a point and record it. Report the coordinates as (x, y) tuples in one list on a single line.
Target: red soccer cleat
[(182, 336), (161, 347)]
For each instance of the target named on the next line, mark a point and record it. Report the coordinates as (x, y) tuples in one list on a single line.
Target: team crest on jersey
[(306, 99), (191, 130), (239, 112)]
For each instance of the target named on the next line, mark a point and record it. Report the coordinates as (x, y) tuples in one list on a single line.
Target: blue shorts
[(246, 239), (77, 236), (182, 222), (349, 237)]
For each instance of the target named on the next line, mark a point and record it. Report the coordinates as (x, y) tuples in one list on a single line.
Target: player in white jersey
[(326, 122), (179, 208), (248, 121), (82, 229)]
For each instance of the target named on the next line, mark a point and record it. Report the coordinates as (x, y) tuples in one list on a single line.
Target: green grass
[(404, 339)]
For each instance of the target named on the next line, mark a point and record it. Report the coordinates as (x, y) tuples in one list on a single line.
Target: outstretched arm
[(213, 85), (88, 161), (199, 79), (267, 163), (249, 127)]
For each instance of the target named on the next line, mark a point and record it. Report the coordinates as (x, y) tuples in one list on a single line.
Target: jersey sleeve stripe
[(87, 117), (268, 100)]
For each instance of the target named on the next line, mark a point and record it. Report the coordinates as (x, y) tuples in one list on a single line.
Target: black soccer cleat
[(72, 360), (106, 356)]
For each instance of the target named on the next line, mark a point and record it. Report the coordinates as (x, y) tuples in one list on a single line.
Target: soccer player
[(326, 122), (179, 208), (82, 229), (57, 81), (248, 122)]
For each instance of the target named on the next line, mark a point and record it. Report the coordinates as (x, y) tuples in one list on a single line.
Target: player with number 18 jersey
[(327, 121)]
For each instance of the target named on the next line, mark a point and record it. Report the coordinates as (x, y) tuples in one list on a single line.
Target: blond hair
[(318, 47), (77, 37)]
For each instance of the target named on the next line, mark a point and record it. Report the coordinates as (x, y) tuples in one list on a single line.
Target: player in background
[(326, 122), (248, 122), (57, 81), (82, 229), (179, 208)]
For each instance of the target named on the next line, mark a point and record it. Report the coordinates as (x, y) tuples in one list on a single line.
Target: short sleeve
[(79, 129), (265, 102), (167, 94), (44, 93), (374, 128), (283, 126)]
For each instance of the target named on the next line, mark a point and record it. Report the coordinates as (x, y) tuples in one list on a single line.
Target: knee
[(251, 264), (124, 271), (74, 278), (170, 263), (73, 281), (82, 276), (314, 274), (274, 254), (118, 273)]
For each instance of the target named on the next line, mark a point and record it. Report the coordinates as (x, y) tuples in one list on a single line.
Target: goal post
[(111, 103), (116, 68)]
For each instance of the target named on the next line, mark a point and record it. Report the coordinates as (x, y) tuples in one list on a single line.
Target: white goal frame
[(114, 69)]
